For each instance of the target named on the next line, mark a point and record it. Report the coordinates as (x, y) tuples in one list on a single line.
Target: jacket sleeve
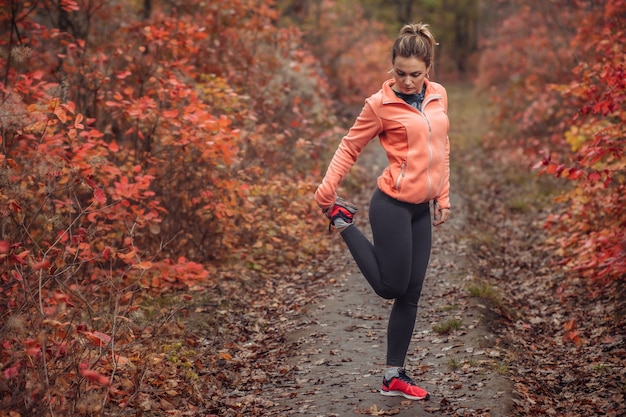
[(443, 200), (366, 127), (444, 196)]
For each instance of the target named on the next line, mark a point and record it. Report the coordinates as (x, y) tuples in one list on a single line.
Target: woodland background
[(155, 154)]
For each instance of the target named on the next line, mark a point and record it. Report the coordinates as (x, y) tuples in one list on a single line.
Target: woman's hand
[(441, 215), (326, 210)]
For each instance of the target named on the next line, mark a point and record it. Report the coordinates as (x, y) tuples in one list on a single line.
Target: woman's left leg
[(404, 311)]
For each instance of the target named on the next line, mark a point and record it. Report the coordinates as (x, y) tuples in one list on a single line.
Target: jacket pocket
[(400, 176)]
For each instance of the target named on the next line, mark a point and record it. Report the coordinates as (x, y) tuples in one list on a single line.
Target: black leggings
[(395, 265)]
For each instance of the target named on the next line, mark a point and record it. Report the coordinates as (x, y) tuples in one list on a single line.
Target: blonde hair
[(415, 39)]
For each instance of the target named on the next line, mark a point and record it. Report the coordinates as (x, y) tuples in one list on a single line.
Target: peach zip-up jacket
[(416, 143)]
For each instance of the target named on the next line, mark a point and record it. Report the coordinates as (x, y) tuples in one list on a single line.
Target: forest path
[(340, 341)]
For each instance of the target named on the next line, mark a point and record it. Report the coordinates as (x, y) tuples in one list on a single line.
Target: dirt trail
[(339, 344)]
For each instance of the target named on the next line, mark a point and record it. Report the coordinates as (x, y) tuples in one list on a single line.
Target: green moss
[(448, 326)]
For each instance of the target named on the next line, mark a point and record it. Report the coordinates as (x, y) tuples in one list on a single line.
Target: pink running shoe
[(341, 214), (403, 386)]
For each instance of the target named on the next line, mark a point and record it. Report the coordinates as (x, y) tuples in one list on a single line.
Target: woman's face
[(409, 74)]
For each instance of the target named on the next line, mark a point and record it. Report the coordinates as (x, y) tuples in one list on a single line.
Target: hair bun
[(415, 39)]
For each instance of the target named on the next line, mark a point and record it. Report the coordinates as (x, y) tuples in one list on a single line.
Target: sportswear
[(341, 214), (416, 143), (403, 385)]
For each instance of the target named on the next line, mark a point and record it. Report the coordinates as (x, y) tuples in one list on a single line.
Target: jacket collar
[(390, 97)]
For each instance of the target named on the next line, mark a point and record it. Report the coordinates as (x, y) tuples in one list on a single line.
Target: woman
[(409, 116)]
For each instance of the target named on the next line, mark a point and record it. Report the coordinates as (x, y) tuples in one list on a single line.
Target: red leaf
[(594, 176), (43, 264), (95, 376), (99, 195), (61, 114), (19, 258), (31, 347), (570, 325), (61, 297), (14, 206), (10, 372), (128, 258), (69, 5), (97, 338), (90, 182)]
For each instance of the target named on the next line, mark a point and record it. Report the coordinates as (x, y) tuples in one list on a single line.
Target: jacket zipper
[(430, 135), (430, 156)]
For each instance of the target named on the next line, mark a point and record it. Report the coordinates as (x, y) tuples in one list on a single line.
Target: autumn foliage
[(353, 52), (141, 157), (561, 96)]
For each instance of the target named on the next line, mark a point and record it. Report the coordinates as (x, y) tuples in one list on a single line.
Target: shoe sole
[(402, 394)]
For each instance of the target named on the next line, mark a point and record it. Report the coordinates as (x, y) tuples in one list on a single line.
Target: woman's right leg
[(386, 264)]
